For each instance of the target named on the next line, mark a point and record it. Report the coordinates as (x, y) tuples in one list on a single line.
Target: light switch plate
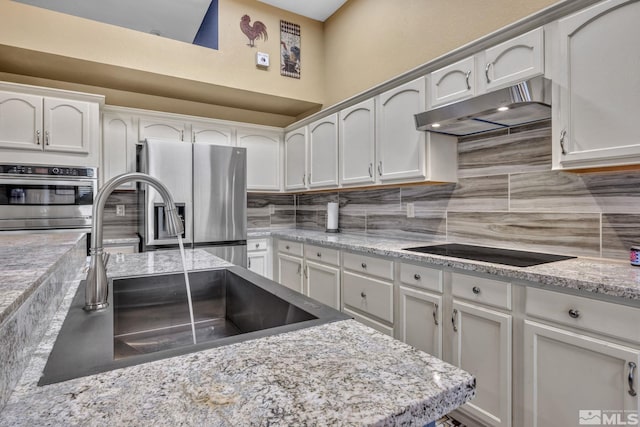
[(119, 210), (411, 210), (262, 59)]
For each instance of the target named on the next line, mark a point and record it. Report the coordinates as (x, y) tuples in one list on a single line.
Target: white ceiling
[(319, 10)]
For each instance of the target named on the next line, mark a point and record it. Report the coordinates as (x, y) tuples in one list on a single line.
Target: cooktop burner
[(494, 255)]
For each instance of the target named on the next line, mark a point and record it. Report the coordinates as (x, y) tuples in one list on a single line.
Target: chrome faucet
[(97, 286)]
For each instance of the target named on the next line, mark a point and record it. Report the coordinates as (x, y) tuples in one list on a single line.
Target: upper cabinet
[(596, 82), (357, 144), (295, 155), (162, 127), (263, 158), (506, 63), (47, 129), (211, 133), (119, 133), (323, 152)]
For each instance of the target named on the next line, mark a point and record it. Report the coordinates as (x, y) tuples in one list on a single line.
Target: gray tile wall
[(507, 195)]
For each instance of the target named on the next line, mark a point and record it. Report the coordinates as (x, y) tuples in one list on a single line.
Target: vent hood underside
[(525, 102)]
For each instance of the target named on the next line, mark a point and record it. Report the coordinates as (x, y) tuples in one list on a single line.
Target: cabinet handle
[(563, 134), (319, 255), (435, 314), (364, 265), (416, 276), (573, 313), (486, 71), (249, 263), (363, 295), (476, 290), (299, 269), (380, 168), (306, 271), (466, 79), (454, 318), (303, 179), (632, 368), (182, 135), (370, 170), (46, 137), (38, 137), (257, 245)]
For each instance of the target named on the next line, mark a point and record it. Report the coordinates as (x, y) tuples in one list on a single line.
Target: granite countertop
[(599, 276), (339, 373)]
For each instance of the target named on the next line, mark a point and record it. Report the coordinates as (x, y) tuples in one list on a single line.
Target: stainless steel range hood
[(525, 102)]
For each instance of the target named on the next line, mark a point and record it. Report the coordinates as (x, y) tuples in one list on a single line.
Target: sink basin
[(148, 319)]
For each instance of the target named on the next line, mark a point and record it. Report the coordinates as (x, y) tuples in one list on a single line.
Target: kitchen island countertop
[(339, 373)]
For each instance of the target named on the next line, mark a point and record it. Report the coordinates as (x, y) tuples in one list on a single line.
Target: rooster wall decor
[(255, 31)]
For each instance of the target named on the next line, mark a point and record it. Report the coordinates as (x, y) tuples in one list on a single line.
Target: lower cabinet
[(323, 283), (290, 272), (572, 379), (259, 257), (420, 320)]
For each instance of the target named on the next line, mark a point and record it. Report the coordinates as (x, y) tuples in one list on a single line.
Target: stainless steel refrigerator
[(208, 184)]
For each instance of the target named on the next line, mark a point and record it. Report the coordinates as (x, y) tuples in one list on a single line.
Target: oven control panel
[(40, 170)]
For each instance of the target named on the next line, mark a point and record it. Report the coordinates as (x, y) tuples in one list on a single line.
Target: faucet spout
[(96, 290)]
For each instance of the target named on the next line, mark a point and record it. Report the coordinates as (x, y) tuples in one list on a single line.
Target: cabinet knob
[(287, 247), (364, 265), (476, 290), (319, 255), (257, 245), (416, 276), (363, 295), (573, 313)]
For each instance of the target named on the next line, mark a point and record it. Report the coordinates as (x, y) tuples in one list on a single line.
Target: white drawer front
[(291, 248), (421, 277), (482, 290), (379, 267), (619, 321), (369, 322), (257, 245), (320, 254), (369, 295)]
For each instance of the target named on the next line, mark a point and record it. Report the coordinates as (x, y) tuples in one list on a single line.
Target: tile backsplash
[(507, 195)]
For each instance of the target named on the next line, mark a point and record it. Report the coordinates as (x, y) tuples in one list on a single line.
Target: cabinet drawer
[(421, 277), (257, 245), (320, 254), (369, 295), (369, 322), (482, 290), (291, 248), (382, 268), (616, 320)]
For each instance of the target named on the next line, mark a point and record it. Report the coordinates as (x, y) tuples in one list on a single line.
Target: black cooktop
[(494, 255)]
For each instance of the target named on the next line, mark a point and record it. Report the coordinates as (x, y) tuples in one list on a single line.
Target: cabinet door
[(295, 152), (323, 152), (514, 60), (290, 272), (161, 128), (257, 262), (482, 346), (21, 121), (67, 125), (357, 144), (598, 82), (263, 159), (401, 148), (571, 379), (323, 283), (118, 147), (211, 134), (452, 83), (420, 320)]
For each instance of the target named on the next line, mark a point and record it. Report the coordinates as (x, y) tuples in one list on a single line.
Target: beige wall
[(370, 41)]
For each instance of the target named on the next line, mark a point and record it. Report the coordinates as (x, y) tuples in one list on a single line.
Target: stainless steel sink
[(148, 319)]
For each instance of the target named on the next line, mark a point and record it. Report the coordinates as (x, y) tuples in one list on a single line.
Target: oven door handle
[(49, 181)]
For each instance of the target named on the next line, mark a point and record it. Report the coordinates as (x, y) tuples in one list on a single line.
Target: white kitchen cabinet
[(295, 154), (40, 125), (290, 272), (420, 320), (259, 257), (119, 132), (569, 377), (596, 76), (482, 346), (512, 61), (162, 128), (204, 132), (322, 274), (323, 152), (263, 159), (357, 144), (404, 153)]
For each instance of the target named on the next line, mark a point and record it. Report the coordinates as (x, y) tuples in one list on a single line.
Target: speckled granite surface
[(599, 276), (339, 373)]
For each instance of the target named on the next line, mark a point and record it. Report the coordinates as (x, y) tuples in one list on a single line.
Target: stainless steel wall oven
[(38, 197)]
